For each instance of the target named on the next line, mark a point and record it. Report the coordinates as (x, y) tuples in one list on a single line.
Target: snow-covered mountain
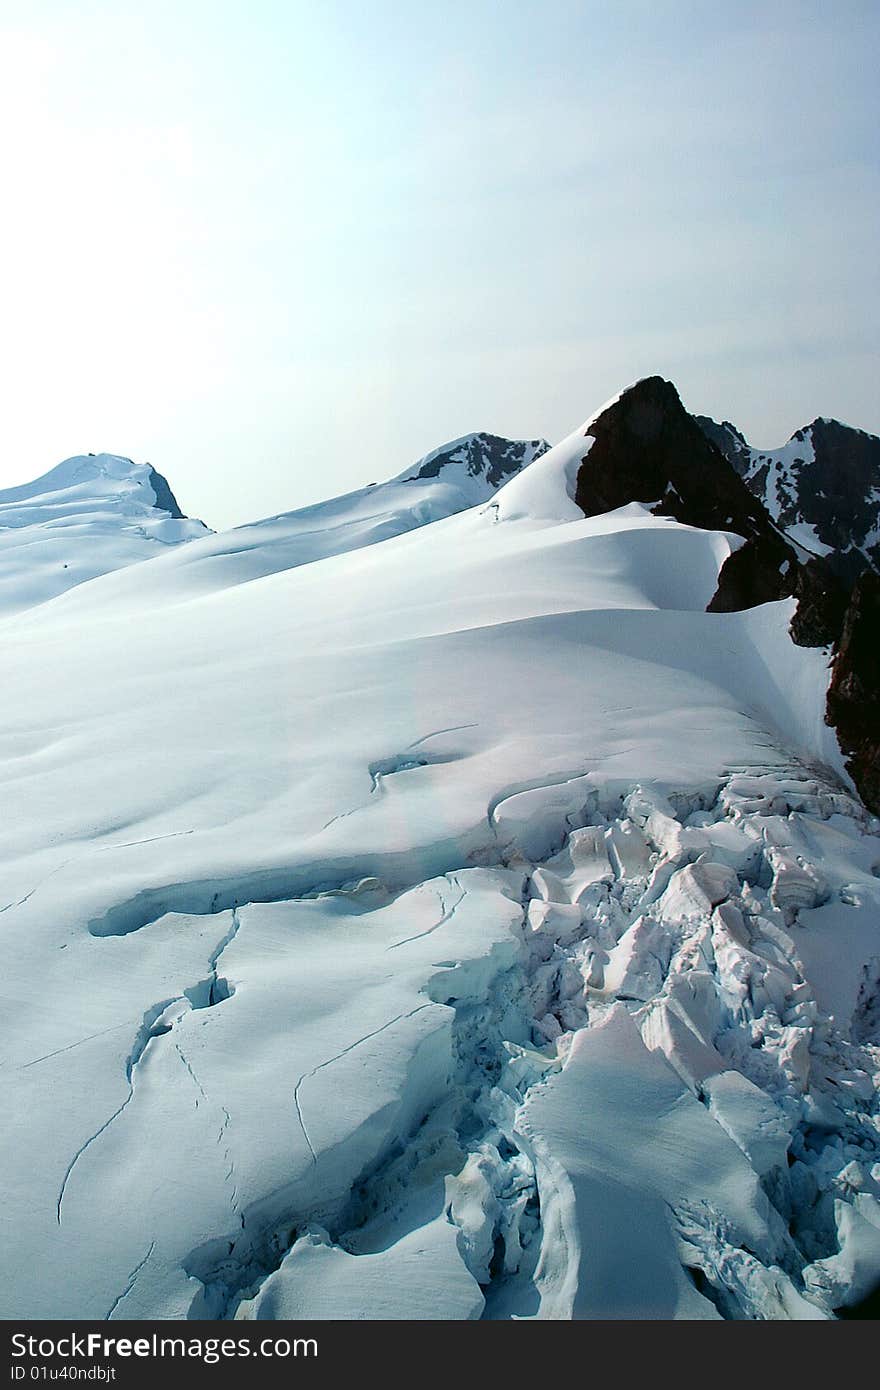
[(479, 463), (448, 480), (822, 488), (89, 515), (464, 924)]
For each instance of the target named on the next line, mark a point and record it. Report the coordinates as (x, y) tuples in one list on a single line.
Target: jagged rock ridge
[(647, 448), (822, 488), (485, 455)]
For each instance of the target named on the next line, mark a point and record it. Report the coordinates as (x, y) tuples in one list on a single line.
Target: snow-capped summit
[(477, 463), (78, 483), (822, 488), (91, 514)]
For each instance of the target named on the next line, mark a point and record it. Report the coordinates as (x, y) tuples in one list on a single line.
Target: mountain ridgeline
[(485, 456), (808, 515), (822, 488), (646, 448)]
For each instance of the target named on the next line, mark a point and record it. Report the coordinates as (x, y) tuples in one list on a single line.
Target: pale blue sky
[(282, 248)]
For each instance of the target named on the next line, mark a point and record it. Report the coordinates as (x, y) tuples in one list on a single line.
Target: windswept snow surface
[(463, 925), (90, 515), (447, 481)]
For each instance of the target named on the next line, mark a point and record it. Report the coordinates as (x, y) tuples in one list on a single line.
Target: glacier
[(420, 906)]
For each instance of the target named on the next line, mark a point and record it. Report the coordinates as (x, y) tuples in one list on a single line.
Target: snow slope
[(439, 928), (90, 515), (448, 480)]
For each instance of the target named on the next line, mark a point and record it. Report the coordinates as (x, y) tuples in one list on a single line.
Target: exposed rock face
[(165, 499), (647, 448), (732, 443), (485, 456), (822, 600), (854, 692), (822, 488)]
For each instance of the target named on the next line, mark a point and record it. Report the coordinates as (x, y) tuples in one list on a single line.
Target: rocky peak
[(822, 488), (647, 448), (486, 456)]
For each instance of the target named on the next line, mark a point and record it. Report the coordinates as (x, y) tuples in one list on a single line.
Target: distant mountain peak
[(481, 455), (112, 477), (89, 515)]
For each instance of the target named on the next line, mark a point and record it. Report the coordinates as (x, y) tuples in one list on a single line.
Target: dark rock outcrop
[(825, 481), (647, 448), (165, 499), (486, 455), (733, 445), (854, 692)]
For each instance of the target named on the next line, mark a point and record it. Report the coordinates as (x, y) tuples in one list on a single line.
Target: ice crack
[(344, 1053), (80, 1151), (447, 914), (114, 1028), (132, 1280)]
